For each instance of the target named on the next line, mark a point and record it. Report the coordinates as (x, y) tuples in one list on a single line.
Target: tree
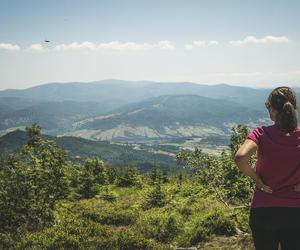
[(157, 175), (128, 176), (93, 176), (219, 173), (238, 135), (31, 182), (154, 198)]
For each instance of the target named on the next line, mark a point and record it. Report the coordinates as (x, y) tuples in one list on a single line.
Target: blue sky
[(247, 43)]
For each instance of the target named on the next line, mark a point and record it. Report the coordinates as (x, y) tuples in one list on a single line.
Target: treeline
[(79, 149), (48, 202)]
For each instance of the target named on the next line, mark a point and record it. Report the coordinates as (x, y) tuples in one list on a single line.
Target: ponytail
[(287, 117), (283, 99)]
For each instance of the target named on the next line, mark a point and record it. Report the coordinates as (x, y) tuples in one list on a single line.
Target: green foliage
[(34, 133), (241, 217), (200, 228), (107, 194), (100, 211), (40, 209), (89, 224), (132, 240), (219, 173), (6, 241), (30, 184), (238, 135), (160, 225), (219, 223), (157, 175), (93, 176), (237, 186), (79, 149), (71, 233), (111, 216), (154, 198), (112, 173), (129, 176)]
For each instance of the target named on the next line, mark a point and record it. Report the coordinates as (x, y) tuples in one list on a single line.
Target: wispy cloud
[(268, 76), (9, 47), (115, 46), (36, 47), (264, 40), (200, 44)]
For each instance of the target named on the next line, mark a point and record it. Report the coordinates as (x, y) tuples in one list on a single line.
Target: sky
[(253, 43)]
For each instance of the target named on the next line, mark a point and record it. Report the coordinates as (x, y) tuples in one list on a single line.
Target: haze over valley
[(160, 117)]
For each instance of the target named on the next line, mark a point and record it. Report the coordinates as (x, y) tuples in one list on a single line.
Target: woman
[(275, 207)]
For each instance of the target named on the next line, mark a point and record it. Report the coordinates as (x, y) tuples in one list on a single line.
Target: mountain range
[(118, 110)]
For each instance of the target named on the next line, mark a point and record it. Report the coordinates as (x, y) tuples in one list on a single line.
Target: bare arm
[(242, 158)]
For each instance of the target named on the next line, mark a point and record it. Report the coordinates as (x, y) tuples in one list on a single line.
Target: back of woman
[(275, 207)]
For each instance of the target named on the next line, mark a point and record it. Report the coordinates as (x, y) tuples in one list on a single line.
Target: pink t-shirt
[(278, 165)]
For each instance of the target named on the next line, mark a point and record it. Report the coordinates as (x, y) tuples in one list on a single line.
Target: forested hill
[(79, 149), (49, 202), (137, 111), (173, 111), (118, 92)]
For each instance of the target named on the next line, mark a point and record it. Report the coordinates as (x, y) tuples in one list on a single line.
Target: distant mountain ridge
[(119, 92), (126, 110)]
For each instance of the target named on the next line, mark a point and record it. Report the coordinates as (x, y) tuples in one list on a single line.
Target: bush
[(128, 177), (219, 223), (30, 184), (6, 241), (131, 240), (71, 233), (107, 194), (93, 176), (159, 225), (100, 211), (154, 198), (242, 219), (200, 228), (219, 174), (193, 233), (111, 216)]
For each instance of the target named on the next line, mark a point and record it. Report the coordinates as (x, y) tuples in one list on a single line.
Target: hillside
[(53, 116), (132, 110), (168, 116), (115, 93), (53, 203), (111, 154)]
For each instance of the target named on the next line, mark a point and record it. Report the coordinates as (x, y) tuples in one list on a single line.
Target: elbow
[(238, 158)]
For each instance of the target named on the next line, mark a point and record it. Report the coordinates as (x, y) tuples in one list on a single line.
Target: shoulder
[(256, 134), (260, 129)]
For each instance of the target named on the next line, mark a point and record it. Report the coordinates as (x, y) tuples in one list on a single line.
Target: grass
[(189, 218)]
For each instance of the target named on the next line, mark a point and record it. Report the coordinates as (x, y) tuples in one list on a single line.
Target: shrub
[(71, 233), (219, 174), (200, 228), (107, 194), (111, 216), (159, 225), (128, 177), (219, 223), (131, 240), (31, 182), (154, 198), (93, 176)]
